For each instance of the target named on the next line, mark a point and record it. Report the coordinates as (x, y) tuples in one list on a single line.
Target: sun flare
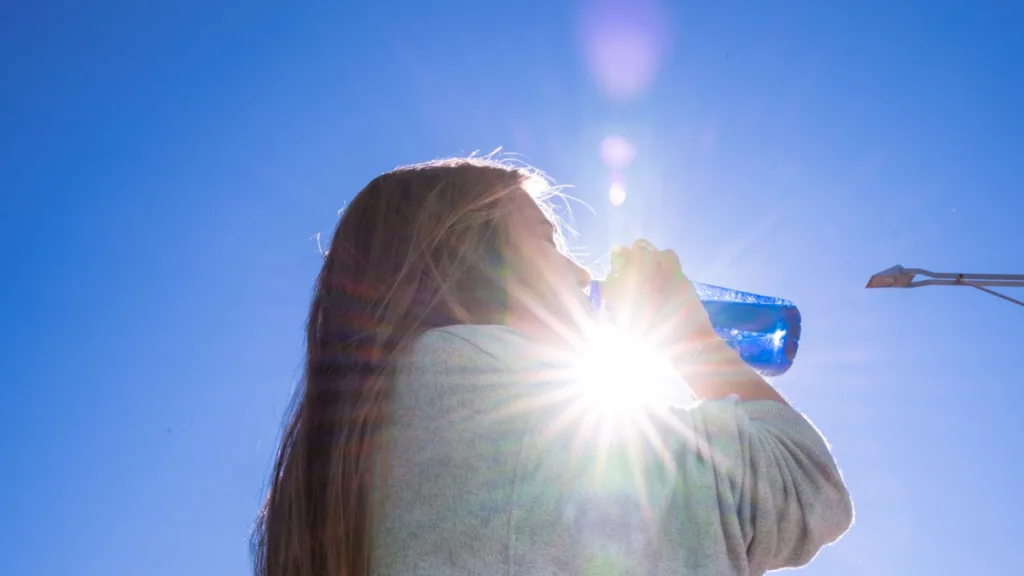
[(618, 376)]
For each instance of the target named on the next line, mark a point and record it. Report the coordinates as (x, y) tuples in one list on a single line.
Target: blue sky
[(165, 170)]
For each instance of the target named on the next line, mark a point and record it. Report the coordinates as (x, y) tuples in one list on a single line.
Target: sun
[(618, 376), (620, 394)]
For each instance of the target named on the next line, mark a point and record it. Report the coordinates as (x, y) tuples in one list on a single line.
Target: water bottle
[(764, 330)]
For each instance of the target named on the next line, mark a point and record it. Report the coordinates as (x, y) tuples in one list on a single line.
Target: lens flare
[(616, 194), (625, 42), (617, 152), (618, 376)]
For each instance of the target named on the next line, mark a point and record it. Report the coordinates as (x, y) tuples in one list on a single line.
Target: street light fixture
[(900, 277)]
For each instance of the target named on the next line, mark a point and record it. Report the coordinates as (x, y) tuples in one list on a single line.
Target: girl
[(440, 428)]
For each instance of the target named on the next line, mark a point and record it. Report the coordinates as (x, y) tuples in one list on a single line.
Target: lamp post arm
[(994, 293), (900, 277), (1005, 280)]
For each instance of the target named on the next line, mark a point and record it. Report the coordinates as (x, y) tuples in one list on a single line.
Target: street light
[(900, 277)]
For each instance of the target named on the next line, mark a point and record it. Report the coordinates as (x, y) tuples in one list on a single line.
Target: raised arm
[(767, 473)]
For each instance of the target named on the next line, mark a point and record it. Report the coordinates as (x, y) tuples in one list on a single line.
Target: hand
[(649, 295)]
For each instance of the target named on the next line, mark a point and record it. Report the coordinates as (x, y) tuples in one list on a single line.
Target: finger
[(669, 262), (638, 284), (670, 276), (670, 257), (619, 258), (673, 271), (644, 258), (644, 245)]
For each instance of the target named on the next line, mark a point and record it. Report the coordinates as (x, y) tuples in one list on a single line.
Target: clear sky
[(165, 171)]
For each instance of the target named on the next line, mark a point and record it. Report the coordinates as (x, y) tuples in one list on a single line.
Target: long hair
[(419, 247)]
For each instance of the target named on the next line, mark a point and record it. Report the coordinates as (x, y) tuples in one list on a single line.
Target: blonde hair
[(419, 247)]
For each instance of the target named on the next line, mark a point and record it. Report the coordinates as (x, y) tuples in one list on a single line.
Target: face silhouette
[(546, 286)]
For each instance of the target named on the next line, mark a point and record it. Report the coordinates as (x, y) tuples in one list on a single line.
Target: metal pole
[(900, 277), (1016, 280), (994, 293)]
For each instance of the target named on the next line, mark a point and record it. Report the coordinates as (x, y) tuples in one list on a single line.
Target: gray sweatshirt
[(493, 466)]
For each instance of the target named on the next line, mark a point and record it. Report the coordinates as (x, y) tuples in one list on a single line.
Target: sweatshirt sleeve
[(779, 493), (495, 465)]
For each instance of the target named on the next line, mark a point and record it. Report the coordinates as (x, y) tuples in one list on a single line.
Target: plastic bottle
[(764, 330)]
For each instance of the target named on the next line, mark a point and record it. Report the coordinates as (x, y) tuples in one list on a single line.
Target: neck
[(565, 336)]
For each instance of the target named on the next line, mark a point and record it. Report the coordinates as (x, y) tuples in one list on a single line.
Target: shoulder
[(489, 344), (479, 356), (463, 376), (490, 339)]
